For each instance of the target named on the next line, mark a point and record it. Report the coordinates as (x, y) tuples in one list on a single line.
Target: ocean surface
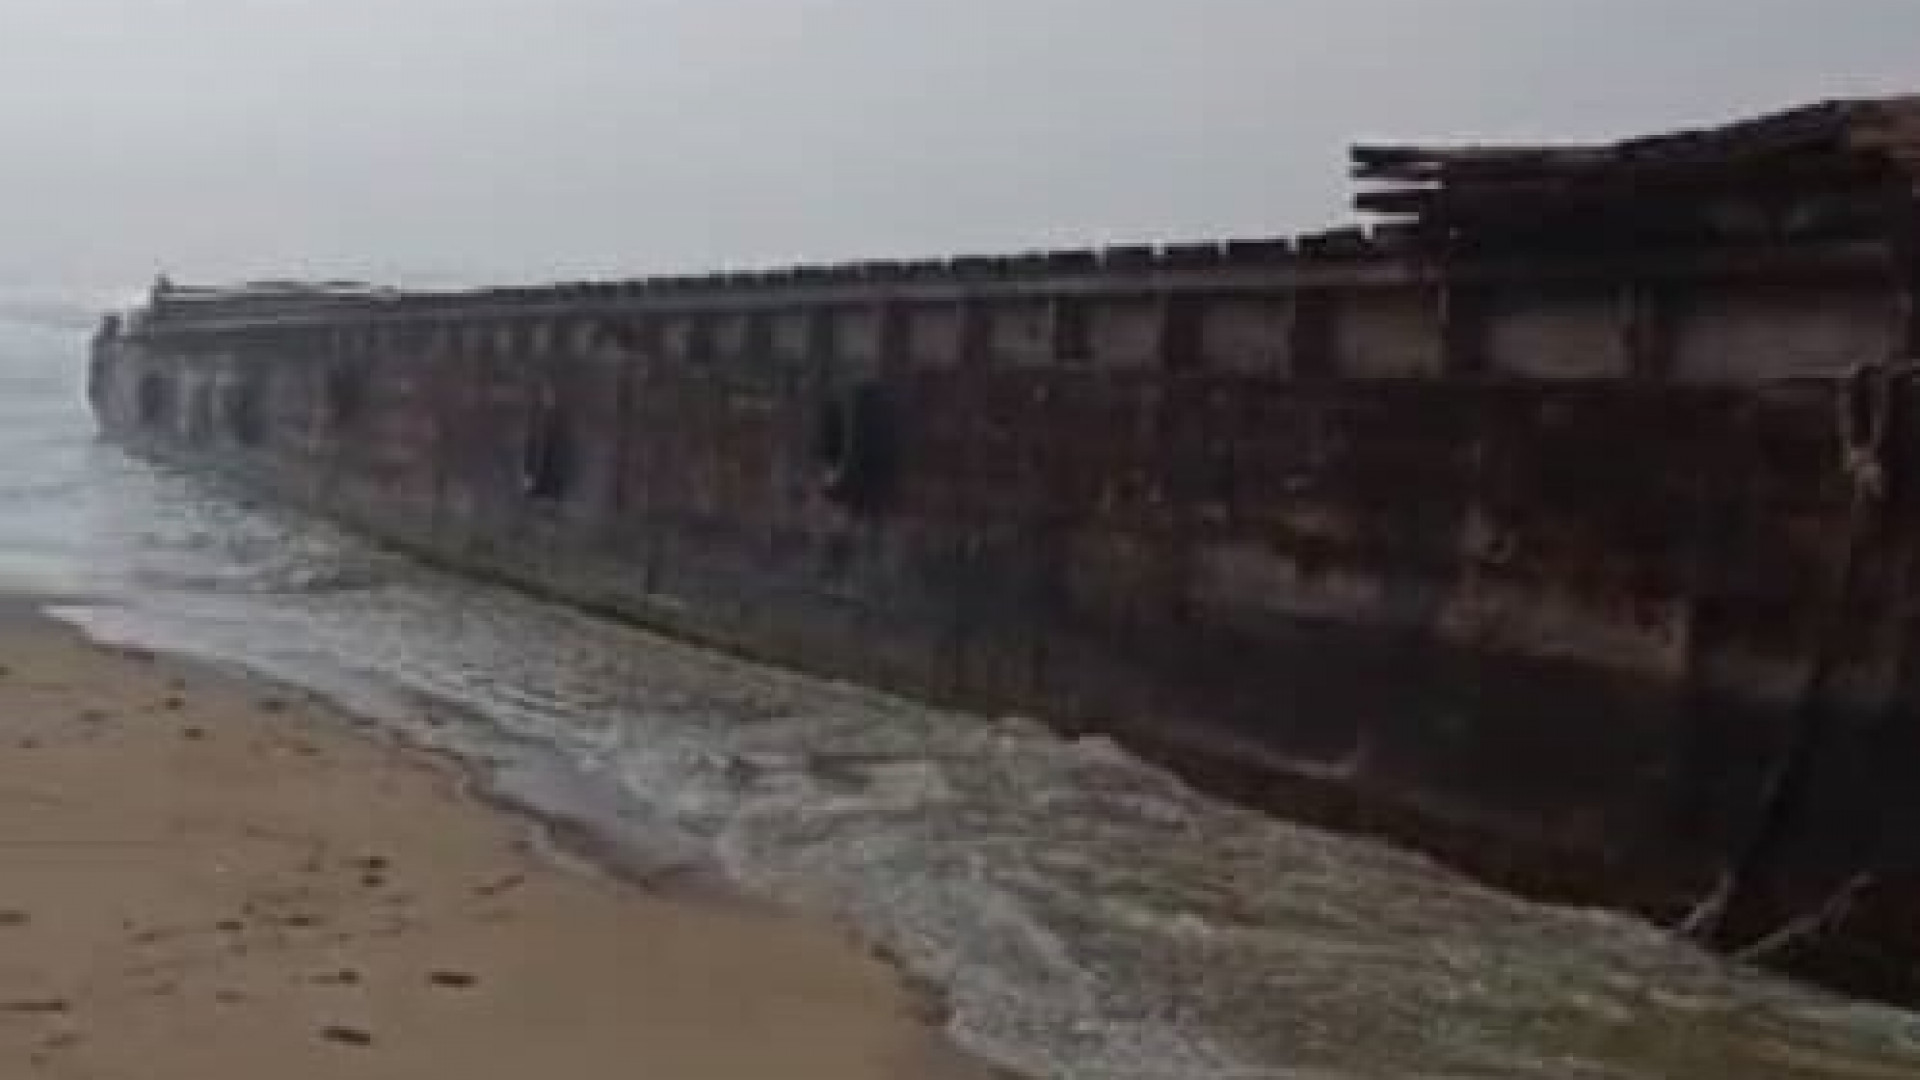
[(1085, 915)]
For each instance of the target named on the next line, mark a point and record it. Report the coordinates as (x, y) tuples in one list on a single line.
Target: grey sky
[(440, 140)]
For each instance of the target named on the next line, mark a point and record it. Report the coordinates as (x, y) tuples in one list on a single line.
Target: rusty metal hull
[(1592, 572), (1555, 631)]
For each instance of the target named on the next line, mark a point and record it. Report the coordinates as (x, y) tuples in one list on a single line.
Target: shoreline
[(238, 769)]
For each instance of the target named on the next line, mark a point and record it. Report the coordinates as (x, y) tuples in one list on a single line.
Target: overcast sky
[(472, 140)]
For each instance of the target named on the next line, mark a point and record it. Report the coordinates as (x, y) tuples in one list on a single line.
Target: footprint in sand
[(348, 1036), (36, 1007)]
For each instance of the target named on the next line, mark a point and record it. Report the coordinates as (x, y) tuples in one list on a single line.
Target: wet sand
[(206, 878)]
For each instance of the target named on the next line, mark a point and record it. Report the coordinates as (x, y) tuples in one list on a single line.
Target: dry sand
[(203, 879)]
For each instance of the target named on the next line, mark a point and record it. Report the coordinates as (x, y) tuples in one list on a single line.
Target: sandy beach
[(207, 878)]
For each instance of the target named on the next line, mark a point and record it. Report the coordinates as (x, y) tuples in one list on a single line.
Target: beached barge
[(1562, 522)]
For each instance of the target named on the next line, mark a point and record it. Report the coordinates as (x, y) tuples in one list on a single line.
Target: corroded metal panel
[(1527, 556)]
